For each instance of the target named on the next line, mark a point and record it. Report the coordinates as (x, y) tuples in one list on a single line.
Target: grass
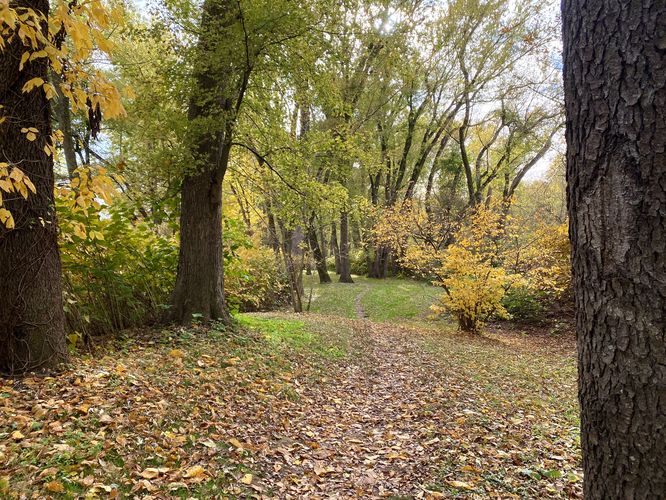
[(390, 299), (293, 334)]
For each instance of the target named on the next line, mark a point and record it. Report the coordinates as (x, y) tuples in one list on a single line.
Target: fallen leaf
[(460, 485), (247, 479), (150, 473), (55, 487), (195, 472), (235, 443)]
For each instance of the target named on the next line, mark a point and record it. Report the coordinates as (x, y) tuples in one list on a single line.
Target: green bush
[(254, 280), (358, 262), (330, 263), (523, 304), (117, 273)]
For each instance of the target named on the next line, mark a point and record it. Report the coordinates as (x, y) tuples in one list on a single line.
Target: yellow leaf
[(176, 353), (31, 84), (55, 487), (235, 443), (17, 435), (24, 59), (150, 473), (247, 479), (461, 485), (6, 218), (195, 472)]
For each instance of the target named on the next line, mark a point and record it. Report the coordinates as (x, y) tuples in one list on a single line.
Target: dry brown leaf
[(150, 473)]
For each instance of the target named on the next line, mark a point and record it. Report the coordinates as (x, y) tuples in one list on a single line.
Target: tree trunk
[(345, 267), (31, 312), (615, 74), (293, 267), (335, 247), (379, 267), (64, 119), (320, 261), (199, 286), (212, 113)]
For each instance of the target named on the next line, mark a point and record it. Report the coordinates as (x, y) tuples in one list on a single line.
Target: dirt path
[(365, 430), (360, 310)]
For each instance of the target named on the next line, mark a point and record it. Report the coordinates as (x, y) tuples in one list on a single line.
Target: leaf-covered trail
[(363, 430), (397, 419), (301, 406)]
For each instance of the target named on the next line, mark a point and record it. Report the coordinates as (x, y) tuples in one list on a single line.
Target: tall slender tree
[(31, 314), (615, 89)]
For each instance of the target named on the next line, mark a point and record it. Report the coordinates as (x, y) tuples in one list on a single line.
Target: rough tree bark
[(615, 89), (31, 313), (199, 285)]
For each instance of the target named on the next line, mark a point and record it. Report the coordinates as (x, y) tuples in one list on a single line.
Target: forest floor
[(302, 406)]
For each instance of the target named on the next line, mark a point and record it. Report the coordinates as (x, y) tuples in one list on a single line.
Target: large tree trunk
[(345, 265), (199, 286), (615, 88), (31, 313), (214, 105)]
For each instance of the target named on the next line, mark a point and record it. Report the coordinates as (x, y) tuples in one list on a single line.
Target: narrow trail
[(360, 310), (365, 431)]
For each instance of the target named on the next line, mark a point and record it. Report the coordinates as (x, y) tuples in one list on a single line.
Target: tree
[(31, 315), (235, 40), (214, 105), (614, 74)]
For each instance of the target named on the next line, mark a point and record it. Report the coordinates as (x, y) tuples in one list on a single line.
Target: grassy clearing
[(296, 334), (390, 299)]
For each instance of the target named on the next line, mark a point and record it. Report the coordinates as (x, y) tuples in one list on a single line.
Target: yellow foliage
[(86, 25), (473, 272), (91, 188)]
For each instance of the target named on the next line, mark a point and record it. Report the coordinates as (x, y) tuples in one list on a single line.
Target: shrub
[(117, 273), (523, 303), (358, 262), (472, 272), (254, 280)]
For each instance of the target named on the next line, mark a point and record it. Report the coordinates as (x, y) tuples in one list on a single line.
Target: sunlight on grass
[(390, 299), (291, 333)]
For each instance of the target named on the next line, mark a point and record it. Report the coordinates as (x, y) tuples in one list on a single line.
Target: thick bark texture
[(615, 86), (199, 286), (345, 265), (31, 313)]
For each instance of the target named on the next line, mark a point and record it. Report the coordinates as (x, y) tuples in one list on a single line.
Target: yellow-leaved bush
[(489, 266), (473, 272)]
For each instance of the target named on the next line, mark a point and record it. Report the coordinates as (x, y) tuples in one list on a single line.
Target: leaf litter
[(408, 411)]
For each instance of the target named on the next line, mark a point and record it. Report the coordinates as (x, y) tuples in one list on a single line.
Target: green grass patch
[(389, 299), (290, 333)]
